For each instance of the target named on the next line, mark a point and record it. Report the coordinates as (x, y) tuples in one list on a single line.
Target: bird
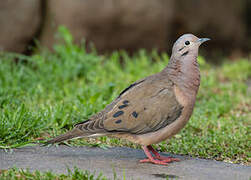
[(152, 109)]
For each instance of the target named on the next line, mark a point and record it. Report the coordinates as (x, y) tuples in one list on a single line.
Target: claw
[(154, 161), (167, 159)]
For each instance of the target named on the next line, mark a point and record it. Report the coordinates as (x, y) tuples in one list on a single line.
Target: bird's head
[(187, 44)]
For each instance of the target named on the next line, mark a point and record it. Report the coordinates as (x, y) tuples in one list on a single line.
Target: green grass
[(76, 174), (43, 95)]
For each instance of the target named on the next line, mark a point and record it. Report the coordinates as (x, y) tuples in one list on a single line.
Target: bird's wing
[(145, 106)]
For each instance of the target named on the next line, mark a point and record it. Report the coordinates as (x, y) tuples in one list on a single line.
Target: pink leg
[(150, 157), (159, 157)]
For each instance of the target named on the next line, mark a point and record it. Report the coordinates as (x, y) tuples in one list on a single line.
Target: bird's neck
[(185, 74)]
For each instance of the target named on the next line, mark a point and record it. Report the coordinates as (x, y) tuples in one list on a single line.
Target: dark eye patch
[(181, 48), (185, 53)]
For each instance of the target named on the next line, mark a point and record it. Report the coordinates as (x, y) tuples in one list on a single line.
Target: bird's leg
[(159, 157), (150, 157)]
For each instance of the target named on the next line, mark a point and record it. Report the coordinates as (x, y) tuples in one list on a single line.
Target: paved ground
[(121, 160)]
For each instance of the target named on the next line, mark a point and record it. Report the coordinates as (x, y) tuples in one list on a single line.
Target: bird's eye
[(187, 43)]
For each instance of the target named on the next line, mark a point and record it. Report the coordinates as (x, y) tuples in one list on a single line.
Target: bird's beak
[(202, 40)]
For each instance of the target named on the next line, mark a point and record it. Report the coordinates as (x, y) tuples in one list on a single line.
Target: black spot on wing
[(125, 102), (117, 114), (135, 114), (118, 121), (129, 87), (123, 106)]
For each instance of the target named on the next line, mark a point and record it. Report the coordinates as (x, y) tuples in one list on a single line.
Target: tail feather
[(69, 135)]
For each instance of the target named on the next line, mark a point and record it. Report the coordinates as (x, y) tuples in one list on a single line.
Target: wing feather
[(145, 106)]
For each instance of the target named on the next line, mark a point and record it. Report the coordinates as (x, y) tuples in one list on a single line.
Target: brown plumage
[(152, 109)]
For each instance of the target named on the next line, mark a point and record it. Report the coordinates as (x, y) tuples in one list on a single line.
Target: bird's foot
[(154, 161), (157, 158), (167, 159)]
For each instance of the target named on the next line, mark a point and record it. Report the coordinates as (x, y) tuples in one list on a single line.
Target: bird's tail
[(69, 135)]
